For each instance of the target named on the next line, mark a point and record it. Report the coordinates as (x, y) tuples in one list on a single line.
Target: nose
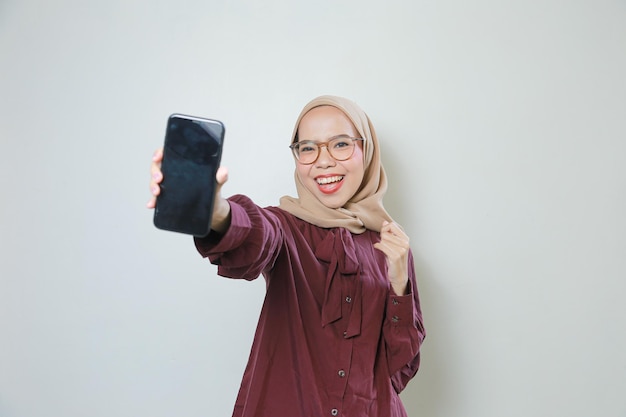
[(324, 159)]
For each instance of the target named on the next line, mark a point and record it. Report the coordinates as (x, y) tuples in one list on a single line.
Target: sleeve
[(403, 333), (249, 246)]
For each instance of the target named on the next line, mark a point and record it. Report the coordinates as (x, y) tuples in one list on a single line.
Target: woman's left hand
[(394, 243)]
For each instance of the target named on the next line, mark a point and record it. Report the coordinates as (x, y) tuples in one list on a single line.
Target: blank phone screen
[(191, 156)]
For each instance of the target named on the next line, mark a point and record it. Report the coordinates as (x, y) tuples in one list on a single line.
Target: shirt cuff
[(400, 308), (234, 236)]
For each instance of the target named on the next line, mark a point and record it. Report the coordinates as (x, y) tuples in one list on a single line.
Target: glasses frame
[(321, 145)]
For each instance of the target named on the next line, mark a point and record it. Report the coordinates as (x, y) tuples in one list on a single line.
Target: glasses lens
[(341, 148), (306, 152)]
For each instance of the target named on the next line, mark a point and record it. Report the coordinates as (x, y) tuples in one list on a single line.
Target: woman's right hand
[(221, 209)]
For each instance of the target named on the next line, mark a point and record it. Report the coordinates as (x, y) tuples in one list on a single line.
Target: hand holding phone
[(191, 156)]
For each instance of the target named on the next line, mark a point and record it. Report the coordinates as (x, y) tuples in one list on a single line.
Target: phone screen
[(191, 156)]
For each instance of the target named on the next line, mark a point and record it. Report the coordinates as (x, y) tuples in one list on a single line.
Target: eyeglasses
[(340, 148)]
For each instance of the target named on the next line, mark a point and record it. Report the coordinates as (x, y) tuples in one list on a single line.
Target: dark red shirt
[(332, 339)]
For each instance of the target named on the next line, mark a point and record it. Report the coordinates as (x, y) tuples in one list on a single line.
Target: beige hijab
[(365, 209)]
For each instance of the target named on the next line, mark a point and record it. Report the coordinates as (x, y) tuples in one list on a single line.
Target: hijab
[(365, 208)]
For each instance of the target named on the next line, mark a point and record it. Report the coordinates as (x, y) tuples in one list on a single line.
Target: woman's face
[(332, 182)]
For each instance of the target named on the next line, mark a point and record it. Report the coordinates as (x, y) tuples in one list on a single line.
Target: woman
[(340, 329)]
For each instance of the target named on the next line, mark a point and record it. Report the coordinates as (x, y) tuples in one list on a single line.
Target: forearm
[(403, 331), (250, 241), (221, 216)]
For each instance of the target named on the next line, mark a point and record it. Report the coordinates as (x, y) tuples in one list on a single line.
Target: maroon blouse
[(333, 339)]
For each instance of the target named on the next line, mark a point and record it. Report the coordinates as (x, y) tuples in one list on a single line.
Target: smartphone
[(191, 155)]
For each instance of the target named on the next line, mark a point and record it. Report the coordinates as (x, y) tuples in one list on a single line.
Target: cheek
[(358, 174), (357, 164), (303, 172)]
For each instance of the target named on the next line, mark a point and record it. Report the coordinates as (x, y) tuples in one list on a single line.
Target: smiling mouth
[(329, 180)]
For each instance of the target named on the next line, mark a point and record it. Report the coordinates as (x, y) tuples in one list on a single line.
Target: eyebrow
[(342, 135)]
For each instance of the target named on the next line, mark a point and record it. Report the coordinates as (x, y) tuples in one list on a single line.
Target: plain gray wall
[(503, 126)]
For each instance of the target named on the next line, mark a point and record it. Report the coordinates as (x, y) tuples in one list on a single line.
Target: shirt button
[(395, 319), (395, 302), (334, 412), (341, 373), (348, 299), (345, 334)]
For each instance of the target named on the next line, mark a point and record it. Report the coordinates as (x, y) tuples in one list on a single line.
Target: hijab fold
[(364, 211)]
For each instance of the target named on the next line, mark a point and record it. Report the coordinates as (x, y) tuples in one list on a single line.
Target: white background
[(503, 127)]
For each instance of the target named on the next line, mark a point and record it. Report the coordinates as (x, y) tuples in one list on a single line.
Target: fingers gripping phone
[(191, 156)]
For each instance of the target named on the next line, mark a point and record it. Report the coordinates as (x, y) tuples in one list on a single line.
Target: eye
[(341, 143), (307, 147)]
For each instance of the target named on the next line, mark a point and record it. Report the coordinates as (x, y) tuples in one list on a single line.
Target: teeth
[(328, 180)]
